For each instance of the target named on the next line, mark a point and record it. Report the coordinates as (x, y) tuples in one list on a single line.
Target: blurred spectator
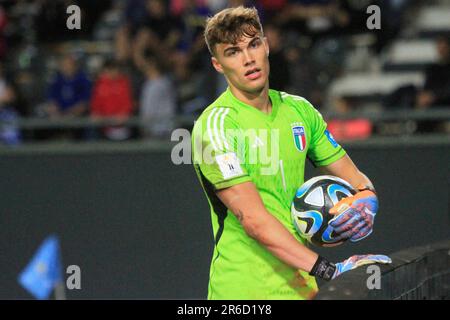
[(112, 98), (403, 97), (91, 14), (10, 94), (68, 97), (191, 59), (18, 102), (348, 129), (69, 91), (190, 86), (436, 91), (192, 16), (9, 132), (3, 23), (305, 74), (50, 21), (314, 17), (157, 101), (3, 82), (159, 35), (271, 8), (392, 19), (309, 40), (135, 13), (356, 12), (279, 77), (133, 17)]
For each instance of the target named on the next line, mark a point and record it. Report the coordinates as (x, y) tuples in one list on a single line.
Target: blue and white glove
[(359, 260), (355, 216), (328, 271)]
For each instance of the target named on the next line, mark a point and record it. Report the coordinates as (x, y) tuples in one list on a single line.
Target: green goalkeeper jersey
[(233, 143)]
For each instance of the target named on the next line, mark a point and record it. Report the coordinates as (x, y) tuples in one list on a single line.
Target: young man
[(257, 253)]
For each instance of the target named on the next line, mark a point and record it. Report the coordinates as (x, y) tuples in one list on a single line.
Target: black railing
[(415, 274)]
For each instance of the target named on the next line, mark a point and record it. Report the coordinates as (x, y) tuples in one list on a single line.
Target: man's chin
[(255, 89)]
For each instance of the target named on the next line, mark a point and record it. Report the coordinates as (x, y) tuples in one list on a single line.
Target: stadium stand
[(373, 71)]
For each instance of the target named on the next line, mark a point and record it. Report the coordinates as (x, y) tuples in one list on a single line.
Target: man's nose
[(248, 58)]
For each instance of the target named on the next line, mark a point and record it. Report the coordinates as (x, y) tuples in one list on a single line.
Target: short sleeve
[(216, 155), (323, 149)]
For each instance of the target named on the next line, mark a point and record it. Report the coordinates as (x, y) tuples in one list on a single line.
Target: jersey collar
[(274, 98)]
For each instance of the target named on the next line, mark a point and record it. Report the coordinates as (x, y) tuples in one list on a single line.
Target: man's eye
[(232, 53), (255, 44)]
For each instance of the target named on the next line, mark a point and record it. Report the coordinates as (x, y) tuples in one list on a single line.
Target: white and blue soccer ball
[(311, 205)]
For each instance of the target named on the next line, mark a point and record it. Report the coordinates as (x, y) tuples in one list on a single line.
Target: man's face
[(245, 64), (156, 8), (68, 66)]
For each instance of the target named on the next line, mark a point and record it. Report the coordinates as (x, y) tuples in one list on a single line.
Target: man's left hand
[(355, 216)]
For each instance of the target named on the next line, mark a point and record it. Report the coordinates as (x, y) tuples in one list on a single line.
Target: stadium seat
[(410, 55), (360, 84)]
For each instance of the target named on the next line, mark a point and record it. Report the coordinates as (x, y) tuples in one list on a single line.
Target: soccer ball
[(311, 205)]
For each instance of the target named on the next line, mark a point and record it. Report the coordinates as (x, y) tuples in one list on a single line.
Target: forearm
[(361, 181), (345, 169), (246, 204), (271, 233)]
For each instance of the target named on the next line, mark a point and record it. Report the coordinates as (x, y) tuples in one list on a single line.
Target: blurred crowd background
[(143, 66)]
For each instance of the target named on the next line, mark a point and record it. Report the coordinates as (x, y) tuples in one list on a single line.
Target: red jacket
[(112, 97)]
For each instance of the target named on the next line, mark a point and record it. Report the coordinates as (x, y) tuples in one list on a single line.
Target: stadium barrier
[(139, 226), (416, 273)]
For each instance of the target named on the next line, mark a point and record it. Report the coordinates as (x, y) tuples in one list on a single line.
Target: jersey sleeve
[(323, 149), (216, 155)]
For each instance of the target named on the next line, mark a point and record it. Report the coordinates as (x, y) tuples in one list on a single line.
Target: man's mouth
[(254, 70), (253, 74)]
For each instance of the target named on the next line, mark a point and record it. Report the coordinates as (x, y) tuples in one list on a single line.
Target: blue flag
[(44, 270)]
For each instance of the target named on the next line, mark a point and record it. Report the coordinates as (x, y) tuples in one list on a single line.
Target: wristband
[(323, 269)]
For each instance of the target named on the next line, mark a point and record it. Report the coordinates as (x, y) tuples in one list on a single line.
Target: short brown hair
[(230, 25)]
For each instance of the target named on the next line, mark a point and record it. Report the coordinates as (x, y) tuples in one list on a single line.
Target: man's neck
[(260, 100)]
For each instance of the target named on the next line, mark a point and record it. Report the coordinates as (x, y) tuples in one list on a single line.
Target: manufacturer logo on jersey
[(258, 143), (299, 137)]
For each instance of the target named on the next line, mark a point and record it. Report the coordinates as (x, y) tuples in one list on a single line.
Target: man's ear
[(216, 64)]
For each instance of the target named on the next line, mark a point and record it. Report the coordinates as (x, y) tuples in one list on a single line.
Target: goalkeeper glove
[(355, 215), (328, 270)]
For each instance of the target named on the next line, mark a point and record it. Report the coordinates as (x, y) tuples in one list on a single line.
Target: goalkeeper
[(257, 253)]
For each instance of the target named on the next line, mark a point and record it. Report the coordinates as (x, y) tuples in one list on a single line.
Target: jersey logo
[(258, 143), (299, 137)]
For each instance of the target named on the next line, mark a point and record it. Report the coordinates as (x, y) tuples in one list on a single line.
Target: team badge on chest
[(299, 137)]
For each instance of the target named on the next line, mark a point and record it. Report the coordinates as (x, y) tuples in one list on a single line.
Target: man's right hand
[(329, 271), (359, 260)]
